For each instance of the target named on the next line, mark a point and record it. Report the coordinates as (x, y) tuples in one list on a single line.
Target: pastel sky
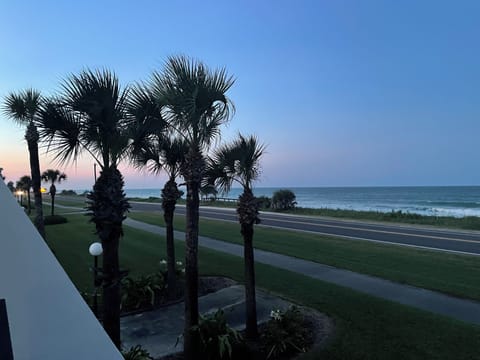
[(344, 93)]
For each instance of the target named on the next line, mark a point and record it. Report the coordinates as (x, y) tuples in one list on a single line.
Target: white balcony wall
[(48, 318)]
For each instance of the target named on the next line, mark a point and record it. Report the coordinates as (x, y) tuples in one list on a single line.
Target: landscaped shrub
[(285, 333), (136, 353), (216, 337), (68, 193), (141, 292), (265, 202), (283, 200), (54, 220)]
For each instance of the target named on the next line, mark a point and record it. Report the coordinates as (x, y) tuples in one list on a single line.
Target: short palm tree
[(195, 105), (23, 108), (240, 162), (155, 149), (53, 176), (10, 186), (90, 115), (25, 184), (1, 175)]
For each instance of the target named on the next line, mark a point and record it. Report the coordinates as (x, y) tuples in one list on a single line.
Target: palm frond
[(238, 161), (61, 129), (22, 106), (53, 176), (100, 104), (194, 98)]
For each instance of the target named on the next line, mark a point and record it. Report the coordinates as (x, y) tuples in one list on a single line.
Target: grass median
[(367, 327), (449, 273)]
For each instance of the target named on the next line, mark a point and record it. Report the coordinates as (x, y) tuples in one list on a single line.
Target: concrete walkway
[(465, 310), (158, 330)]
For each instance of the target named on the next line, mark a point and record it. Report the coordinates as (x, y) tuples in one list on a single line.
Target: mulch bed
[(320, 328)]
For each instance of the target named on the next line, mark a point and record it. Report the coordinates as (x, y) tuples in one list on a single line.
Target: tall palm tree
[(23, 107), (53, 176), (25, 184), (154, 148), (90, 115), (195, 105), (240, 162)]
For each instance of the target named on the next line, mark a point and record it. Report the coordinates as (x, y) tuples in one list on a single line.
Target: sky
[(343, 93)]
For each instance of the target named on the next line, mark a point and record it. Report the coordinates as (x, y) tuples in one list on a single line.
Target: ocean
[(458, 201)]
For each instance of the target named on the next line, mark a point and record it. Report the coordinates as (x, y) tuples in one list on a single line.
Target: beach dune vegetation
[(283, 199)]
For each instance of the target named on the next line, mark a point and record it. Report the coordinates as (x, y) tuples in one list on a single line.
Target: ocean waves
[(457, 201)]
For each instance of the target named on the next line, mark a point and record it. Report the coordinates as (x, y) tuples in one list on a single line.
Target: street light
[(19, 193), (95, 250)]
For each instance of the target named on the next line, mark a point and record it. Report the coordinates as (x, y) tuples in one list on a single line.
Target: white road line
[(354, 228)]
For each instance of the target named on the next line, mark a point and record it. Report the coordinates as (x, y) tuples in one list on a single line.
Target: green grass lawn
[(367, 327), (450, 273), (467, 222)]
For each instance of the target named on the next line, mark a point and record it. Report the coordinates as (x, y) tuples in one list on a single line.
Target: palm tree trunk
[(169, 209), (247, 211), (53, 191), (107, 205), (31, 136), (111, 283), (29, 204), (191, 339), (250, 299), (194, 170), (170, 195)]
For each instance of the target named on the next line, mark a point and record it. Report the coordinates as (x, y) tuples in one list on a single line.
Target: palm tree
[(90, 115), (240, 162), (195, 105), (153, 148), (23, 107), (10, 186), (1, 175), (53, 176), (25, 184)]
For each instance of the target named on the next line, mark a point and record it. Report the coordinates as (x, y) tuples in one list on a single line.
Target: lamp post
[(95, 250)]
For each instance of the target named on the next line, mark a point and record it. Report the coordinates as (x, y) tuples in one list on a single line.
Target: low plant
[(141, 292), (179, 268), (284, 333), (216, 337), (68, 193), (55, 219), (265, 202), (136, 353)]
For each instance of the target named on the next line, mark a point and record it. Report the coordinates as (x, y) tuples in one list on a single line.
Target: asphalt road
[(408, 235), (438, 239)]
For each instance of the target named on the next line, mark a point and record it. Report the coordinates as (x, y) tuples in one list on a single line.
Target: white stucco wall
[(48, 318)]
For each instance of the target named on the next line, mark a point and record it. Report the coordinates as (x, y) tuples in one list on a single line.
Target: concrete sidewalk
[(158, 330), (465, 310)]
